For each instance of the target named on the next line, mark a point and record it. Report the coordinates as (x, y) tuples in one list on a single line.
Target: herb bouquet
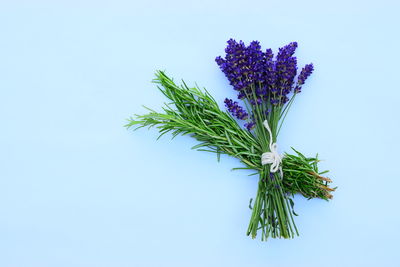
[(267, 86)]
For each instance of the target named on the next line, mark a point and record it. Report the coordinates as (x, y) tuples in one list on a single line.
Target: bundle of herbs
[(267, 88)]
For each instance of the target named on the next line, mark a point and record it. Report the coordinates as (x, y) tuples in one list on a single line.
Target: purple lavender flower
[(286, 70), (241, 95), (270, 70), (250, 125), (235, 109), (269, 54), (274, 101), (259, 77), (258, 101), (234, 64), (271, 176), (255, 61), (243, 66), (286, 52), (304, 74)]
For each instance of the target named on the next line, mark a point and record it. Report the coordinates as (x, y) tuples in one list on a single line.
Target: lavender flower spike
[(287, 51), (243, 65), (305, 72), (235, 109), (250, 125)]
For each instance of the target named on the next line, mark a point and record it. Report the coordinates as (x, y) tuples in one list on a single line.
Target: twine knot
[(273, 156)]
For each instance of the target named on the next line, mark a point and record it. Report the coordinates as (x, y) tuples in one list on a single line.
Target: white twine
[(272, 157)]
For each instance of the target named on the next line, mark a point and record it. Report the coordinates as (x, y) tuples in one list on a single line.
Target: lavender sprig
[(235, 109), (304, 74), (267, 86)]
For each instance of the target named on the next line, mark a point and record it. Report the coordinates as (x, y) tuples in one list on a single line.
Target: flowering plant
[(267, 86)]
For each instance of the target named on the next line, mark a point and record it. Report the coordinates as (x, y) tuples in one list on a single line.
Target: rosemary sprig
[(303, 172)]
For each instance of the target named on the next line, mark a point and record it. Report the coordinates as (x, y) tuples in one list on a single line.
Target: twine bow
[(273, 156)]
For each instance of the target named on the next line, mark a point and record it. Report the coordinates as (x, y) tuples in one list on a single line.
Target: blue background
[(78, 189)]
